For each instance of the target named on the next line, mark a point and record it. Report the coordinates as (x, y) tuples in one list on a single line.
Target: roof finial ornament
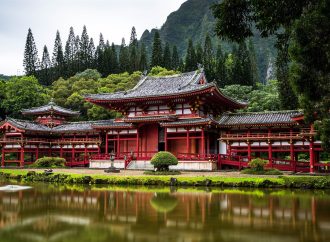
[(200, 67), (52, 101), (145, 73)]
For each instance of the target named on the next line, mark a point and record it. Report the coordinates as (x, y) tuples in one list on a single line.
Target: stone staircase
[(140, 165)]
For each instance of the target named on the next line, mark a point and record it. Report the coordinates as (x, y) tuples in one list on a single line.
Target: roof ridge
[(263, 112)]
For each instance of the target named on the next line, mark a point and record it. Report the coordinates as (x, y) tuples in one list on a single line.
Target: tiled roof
[(74, 127), (50, 107), (158, 86), (262, 118), (28, 125), (150, 118), (110, 124), (194, 121)]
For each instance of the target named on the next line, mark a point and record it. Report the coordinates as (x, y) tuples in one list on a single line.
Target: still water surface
[(63, 214)]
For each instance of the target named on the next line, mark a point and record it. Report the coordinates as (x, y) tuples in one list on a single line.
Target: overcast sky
[(114, 18)]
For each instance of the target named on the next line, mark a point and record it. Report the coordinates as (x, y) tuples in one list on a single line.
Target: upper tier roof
[(259, 118), (51, 107), (165, 87)]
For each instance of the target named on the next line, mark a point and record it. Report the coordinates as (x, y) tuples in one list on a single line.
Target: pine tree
[(77, 54), (199, 54), (143, 64), (84, 50), (220, 69), (133, 51), (157, 53), (242, 73), (91, 54), (167, 62), (175, 59), (114, 68), (45, 77), (124, 62), (58, 57), (208, 59), (190, 61), (133, 38), (287, 96), (253, 61), (30, 61), (69, 54), (100, 56)]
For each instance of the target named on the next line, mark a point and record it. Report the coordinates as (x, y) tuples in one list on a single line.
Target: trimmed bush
[(162, 173), (258, 164), (162, 160), (49, 162)]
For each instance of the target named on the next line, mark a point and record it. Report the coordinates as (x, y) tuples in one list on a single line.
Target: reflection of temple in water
[(42, 215)]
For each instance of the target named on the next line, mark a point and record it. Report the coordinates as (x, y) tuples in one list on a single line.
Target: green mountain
[(194, 19)]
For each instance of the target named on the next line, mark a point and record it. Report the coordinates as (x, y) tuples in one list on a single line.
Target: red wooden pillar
[(311, 156), (3, 156), (37, 152), (85, 153), (165, 139), (187, 142), (138, 142), (61, 151), (249, 150), (118, 144), (72, 154), (270, 148), (98, 147), (21, 162), (208, 144), (106, 142), (203, 141)]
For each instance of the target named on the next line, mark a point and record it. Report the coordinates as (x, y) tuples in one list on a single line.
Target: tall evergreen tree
[(175, 59), (100, 56), (133, 51), (113, 59), (45, 77), (58, 57), (31, 60), (167, 60), (220, 70), (69, 54), (124, 62), (157, 53), (77, 54), (133, 38), (190, 61), (143, 64), (199, 54), (287, 96), (84, 50), (253, 62), (208, 59), (91, 54)]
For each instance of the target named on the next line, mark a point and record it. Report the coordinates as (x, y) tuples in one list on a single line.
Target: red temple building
[(183, 114)]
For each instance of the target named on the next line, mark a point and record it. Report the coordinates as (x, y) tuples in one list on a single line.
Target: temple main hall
[(183, 114)]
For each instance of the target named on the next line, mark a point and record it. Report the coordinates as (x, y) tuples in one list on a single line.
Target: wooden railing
[(194, 156), (260, 136), (51, 141)]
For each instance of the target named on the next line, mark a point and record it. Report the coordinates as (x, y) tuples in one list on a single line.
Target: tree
[(58, 56), (23, 92), (100, 56), (305, 24), (31, 60), (133, 38), (70, 53), (208, 58), (91, 54), (253, 62), (175, 59), (167, 62), (157, 53), (190, 62), (143, 64), (124, 63), (84, 50), (113, 59), (45, 76), (220, 69)]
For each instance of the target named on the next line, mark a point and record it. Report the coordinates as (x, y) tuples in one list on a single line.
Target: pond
[(156, 214)]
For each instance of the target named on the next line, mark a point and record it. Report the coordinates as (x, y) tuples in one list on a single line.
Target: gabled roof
[(190, 122), (27, 125), (157, 86), (155, 118), (259, 118), (51, 107), (111, 124)]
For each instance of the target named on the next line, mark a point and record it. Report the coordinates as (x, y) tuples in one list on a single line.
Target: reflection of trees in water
[(98, 215), (163, 202)]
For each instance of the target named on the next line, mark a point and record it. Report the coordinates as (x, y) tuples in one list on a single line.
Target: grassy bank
[(307, 182)]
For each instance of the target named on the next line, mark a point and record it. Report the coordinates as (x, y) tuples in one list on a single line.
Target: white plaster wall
[(101, 164), (223, 148)]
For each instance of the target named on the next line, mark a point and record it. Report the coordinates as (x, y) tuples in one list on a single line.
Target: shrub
[(162, 173), (49, 162), (163, 159), (258, 164)]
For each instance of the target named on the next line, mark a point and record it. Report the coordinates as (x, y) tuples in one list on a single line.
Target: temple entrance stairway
[(140, 165)]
